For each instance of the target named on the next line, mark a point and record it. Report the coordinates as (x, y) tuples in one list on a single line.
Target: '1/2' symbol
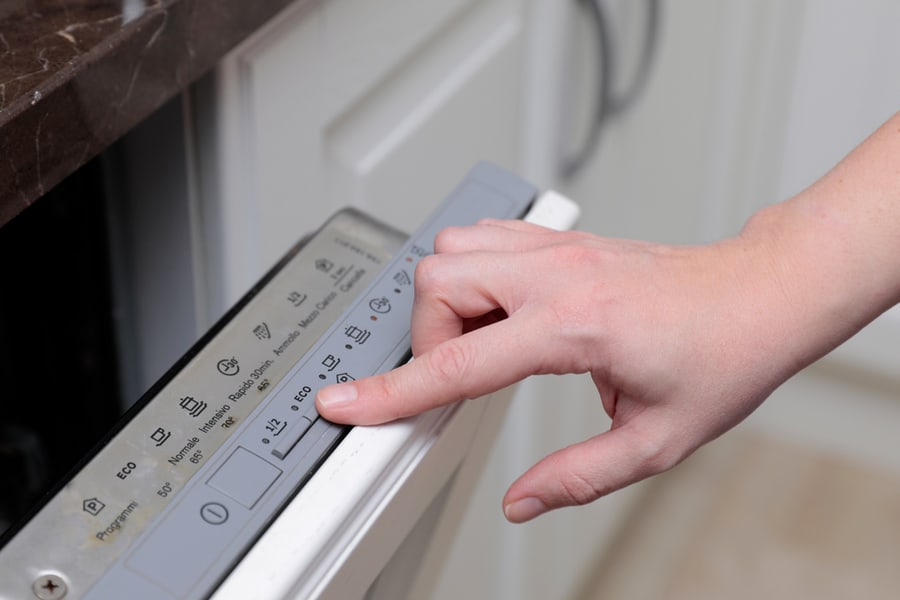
[(275, 426), (296, 298)]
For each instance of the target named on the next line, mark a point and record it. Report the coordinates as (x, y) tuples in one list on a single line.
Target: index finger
[(469, 366), (451, 289)]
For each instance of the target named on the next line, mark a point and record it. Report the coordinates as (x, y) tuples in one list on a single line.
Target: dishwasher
[(224, 482)]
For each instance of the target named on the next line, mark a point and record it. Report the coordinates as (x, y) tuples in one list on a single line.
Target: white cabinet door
[(382, 105)]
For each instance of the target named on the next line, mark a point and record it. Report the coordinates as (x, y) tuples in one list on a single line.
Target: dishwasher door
[(224, 481)]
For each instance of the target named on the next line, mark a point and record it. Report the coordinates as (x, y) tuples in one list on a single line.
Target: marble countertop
[(77, 74)]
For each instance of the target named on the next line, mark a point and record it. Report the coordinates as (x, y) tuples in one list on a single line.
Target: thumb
[(584, 472)]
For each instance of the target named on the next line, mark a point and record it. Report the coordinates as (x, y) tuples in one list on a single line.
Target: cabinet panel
[(334, 105), (410, 141)]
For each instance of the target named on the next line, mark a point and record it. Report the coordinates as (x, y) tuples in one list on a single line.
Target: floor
[(755, 517)]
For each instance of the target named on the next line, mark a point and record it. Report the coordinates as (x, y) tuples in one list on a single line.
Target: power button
[(214, 513)]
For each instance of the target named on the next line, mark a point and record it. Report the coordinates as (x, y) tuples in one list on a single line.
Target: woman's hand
[(671, 337), (681, 342)]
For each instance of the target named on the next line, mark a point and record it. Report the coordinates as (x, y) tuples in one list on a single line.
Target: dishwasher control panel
[(192, 476)]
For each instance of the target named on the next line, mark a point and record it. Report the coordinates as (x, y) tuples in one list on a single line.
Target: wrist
[(826, 263)]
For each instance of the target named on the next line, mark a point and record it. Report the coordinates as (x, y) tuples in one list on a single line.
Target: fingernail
[(524, 509), (337, 395)]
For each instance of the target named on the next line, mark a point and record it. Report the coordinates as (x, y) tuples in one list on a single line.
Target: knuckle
[(578, 491), (380, 388), (578, 318), (389, 396), (383, 392), (575, 252), (655, 454), (447, 239), (448, 363), (427, 274)]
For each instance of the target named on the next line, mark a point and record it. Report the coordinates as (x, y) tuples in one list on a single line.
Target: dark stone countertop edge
[(90, 102)]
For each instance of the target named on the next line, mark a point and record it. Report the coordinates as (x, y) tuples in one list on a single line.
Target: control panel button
[(284, 446), (214, 513)]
